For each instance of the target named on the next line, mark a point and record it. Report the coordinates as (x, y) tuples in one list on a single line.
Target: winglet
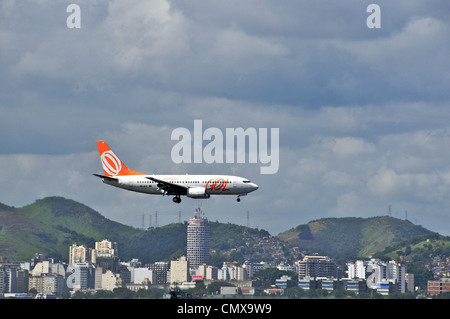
[(112, 165)]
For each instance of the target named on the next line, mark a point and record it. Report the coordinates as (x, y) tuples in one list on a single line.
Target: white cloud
[(350, 146), (144, 31), (387, 181), (337, 179), (235, 45), (412, 60)]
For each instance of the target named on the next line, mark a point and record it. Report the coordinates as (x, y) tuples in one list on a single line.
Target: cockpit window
[(246, 181)]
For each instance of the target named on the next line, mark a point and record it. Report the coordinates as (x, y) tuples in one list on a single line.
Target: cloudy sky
[(363, 113)]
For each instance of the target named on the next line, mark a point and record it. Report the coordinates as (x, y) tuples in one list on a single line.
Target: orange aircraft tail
[(112, 166)]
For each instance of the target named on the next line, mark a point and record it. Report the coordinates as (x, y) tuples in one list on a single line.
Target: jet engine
[(197, 192)]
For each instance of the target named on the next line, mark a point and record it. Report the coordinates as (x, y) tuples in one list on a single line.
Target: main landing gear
[(177, 199)]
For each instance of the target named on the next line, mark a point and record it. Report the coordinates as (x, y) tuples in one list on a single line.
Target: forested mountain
[(352, 236), (50, 225)]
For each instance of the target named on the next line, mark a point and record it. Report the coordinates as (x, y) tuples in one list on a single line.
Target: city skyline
[(100, 268), (52, 277)]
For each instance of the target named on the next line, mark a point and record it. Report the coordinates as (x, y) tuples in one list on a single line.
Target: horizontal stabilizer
[(106, 177)]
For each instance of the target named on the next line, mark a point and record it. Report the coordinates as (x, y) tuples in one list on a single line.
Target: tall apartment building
[(226, 272), (208, 272), (317, 266), (106, 255), (357, 270), (159, 270), (198, 237), (79, 254), (179, 271), (240, 274), (106, 248), (81, 276), (13, 278)]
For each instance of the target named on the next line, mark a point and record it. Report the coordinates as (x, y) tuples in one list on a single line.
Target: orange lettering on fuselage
[(217, 184)]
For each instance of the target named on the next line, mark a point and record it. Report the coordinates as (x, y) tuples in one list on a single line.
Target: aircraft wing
[(169, 187), (106, 177)]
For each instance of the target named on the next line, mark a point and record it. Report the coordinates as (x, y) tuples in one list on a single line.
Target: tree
[(294, 292), (271, 274), (123, 293), (445, 295), (149, 293)]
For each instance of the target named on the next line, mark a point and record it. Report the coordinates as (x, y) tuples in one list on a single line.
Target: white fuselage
[(212, 184)]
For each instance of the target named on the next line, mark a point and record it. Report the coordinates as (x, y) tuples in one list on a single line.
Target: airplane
[(193, 186)]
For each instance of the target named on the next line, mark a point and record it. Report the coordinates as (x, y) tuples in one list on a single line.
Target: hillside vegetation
[(426, 256), (351, 237), (50, 225)]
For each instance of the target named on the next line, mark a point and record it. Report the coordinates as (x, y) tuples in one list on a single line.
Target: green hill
[(425, 256), (352, 236), (50, 225), (418, 249)]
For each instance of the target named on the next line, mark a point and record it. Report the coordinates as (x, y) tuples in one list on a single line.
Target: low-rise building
[(307, 283), (436, 287), (284, 282), (330, 284), (355, 285)]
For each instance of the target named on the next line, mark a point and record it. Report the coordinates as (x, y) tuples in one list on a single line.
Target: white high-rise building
[(198, 236), (227, 272), (357, 270), (379, 273)]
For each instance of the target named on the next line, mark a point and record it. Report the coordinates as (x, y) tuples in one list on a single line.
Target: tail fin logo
[(111, 163)]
